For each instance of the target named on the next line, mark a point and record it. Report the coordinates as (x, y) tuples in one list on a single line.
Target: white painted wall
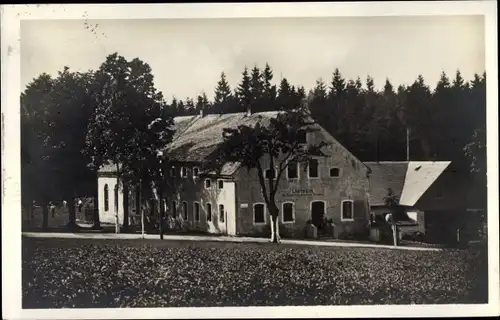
[(229, 198), (226, 197), (109, 216)]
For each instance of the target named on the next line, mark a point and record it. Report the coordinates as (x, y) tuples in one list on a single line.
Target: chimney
[(201, 113), (249, 111)]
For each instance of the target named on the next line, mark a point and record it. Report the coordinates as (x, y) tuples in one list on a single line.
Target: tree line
[(372, 123), (75, 122)]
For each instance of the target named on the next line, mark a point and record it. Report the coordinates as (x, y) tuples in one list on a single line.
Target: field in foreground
[(91, 273)]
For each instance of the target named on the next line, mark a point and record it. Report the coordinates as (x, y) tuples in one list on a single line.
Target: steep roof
[(408, 180), (419, 177), (197, 137), (385, 175)]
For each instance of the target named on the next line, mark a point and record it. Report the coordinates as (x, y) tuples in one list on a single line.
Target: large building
[(337, 187), (230, 202)]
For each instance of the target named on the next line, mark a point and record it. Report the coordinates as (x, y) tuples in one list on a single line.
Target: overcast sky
[(187, 56)]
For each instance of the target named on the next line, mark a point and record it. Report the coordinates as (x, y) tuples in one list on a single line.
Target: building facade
[(334, 187)]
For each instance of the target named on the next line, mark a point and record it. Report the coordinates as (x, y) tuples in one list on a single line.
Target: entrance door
[(317, 212)]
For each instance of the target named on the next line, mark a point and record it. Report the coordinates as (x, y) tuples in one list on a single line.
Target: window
[(347, 210), (220, 184), (208, 183), (271, 173), (106, 198), (221, 212), (196, 172), (174, 208), (209, 211), (184, 172), (313, 168), (173, 171), (334, 172), (185, 210), (302, 136), (292, 170), (196, 209), (259, 216), (288, 209)]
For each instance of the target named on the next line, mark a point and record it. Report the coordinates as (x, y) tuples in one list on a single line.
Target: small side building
[(430, 197)]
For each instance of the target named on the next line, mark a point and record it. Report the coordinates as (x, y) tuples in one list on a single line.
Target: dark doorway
[(318, 213)]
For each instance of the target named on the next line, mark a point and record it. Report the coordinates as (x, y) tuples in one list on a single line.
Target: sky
[(188, 55)]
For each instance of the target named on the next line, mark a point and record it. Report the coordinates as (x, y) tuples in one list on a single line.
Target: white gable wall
[(109, 215)]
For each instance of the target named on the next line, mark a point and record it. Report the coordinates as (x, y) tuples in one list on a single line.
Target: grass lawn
[(90, 273)]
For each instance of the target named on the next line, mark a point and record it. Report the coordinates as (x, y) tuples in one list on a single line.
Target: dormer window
[(220, 184), (196, 172)]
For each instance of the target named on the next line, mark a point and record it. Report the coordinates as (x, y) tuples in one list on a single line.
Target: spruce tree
[(243, 92), (223, 97), (256, 90), (285, 95), (223, 90), (270, 92)]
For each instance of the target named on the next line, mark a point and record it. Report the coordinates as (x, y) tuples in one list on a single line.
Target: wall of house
[(352, 184), (108, 216), (444, 204), (446, 193), (190, 190)]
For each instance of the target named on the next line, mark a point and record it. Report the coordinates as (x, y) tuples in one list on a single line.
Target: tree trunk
[(45, 216), (72, 214), (161, 211), (275, 237), (395, 234), (32, 213), (97, 221), (125, 208), (115, 198)]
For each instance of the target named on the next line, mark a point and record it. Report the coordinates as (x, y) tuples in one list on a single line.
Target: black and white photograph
[(192, 156)]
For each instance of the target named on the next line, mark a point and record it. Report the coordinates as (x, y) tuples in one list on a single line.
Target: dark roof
[(385, 175), (198, 137)]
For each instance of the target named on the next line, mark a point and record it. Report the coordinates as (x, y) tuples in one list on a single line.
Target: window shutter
[(359, 209)]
